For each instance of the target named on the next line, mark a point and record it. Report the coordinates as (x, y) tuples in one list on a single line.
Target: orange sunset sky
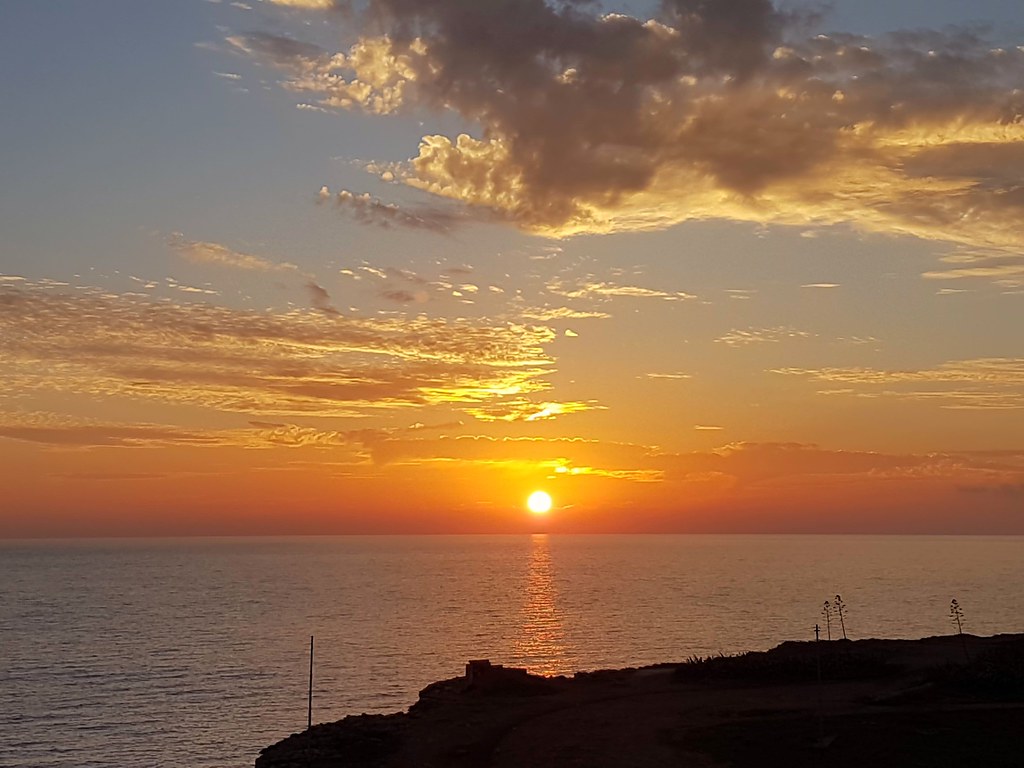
[(299, 266)]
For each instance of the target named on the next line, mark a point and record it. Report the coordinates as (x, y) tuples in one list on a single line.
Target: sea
[(195, 652)]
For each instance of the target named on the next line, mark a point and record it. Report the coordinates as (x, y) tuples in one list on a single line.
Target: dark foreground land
[(880, 703)]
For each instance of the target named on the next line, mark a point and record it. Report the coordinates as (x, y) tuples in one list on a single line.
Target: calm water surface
[(193, 652)]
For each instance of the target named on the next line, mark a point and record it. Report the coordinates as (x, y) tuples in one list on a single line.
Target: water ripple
[(161, 653)]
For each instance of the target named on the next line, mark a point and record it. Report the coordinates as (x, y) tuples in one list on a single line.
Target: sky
[(391, 266)]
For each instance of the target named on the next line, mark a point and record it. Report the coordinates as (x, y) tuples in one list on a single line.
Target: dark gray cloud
[(716, 108), (320, 298), (369, 210)]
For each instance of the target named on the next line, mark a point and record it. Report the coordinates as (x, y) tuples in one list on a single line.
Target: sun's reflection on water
[(541, 646)]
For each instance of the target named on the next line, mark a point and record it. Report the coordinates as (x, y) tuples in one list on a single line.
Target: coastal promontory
[(938, 701)]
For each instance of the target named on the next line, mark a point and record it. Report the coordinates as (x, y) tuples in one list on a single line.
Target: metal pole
[(817, 664), (309, 716)]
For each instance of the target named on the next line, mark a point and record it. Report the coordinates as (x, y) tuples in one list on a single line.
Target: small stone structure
[(482, 675)]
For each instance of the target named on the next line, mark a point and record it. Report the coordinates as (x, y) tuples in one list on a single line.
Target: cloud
[(315, 4), (739, 470), (779, 464), (820, 285), (403, 296), (978, 384), (369, 210), (529, 451), (91, 342), (373, 74), (999, 270), (742, 338), (320, 298), (1010, 490), (109, 476), (404, 286), (598, 122), (201, 252), (524, 410), (285, 52), (674, 376), (175, 285), (1002, 267), (740, 294), (594, 289), (65, 432), (546, 314)]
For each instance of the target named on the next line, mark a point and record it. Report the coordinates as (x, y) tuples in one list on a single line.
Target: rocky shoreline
[(938, 701)]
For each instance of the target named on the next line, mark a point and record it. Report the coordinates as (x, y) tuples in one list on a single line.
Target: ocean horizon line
[(508, 534)]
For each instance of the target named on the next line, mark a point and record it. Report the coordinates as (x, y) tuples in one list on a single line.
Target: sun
[(539, 503)]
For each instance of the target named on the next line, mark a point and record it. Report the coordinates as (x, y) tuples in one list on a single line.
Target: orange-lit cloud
[(524, 410), (101, 344), (423, 482), (743, 463)]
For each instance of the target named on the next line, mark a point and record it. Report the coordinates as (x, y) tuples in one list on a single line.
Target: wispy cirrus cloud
[(66, 432), (675, 376), (977, 384), (727, 469), (734, 110), (1003, 267), (536, 451), (92, 342), (61, 431), (1008, 276), (741, 338), (740, 294), (599, 289), (405, 286), (204, 252)]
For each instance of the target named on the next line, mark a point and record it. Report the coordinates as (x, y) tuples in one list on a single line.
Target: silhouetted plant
[(826, 611), (956, 615), (840, 607), (789, 663)]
